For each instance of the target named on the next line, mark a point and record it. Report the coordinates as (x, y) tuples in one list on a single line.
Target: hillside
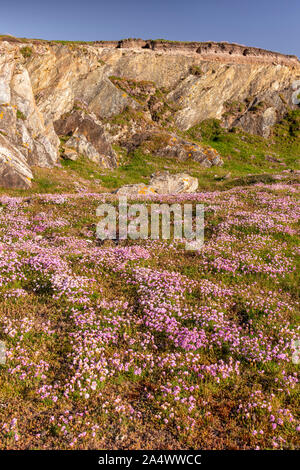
[(96, 108), (137, 342)]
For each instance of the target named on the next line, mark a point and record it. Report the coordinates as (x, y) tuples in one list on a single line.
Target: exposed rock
[(135, 190), (165, 183), (162, 183), (69, 154), (170, 84), (82, 146), (208, 96), (88, 137), (14, 171), (259, 123), (185, 150), (172, 146), (132, 43), (222, 51), (60, 76), (27, 137)]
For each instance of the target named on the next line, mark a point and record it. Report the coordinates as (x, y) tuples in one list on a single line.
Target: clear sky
[(271, 24)]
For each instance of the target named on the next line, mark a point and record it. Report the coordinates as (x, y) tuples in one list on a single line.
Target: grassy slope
[(243, 154)]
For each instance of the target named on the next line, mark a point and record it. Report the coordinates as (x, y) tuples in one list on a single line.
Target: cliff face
[(42, 84)]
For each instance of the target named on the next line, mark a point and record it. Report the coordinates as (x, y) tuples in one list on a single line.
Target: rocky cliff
[(131, 93)]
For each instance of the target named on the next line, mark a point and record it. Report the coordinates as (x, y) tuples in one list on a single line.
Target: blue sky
[(271, 24)]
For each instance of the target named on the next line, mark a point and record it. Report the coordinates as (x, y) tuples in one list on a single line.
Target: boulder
[(162, 183), (78, 143), (132, 190), (260, 123), (165, 183), (69, 154)]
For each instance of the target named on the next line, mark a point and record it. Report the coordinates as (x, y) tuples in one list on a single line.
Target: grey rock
[(165, 183), (14, 171), (162, 183)]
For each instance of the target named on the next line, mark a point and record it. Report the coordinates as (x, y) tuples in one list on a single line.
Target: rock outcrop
[(28, 140), (165, 183), (161, 183), (219, 51), (168, 83), (87, 138), (168, 145), (14, 170)]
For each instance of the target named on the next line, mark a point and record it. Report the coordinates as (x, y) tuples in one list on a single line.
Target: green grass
[(245, 153), (46, 185), (134, 171), (244, 157)]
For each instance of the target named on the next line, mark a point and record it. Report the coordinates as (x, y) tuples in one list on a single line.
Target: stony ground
[(146, 345)]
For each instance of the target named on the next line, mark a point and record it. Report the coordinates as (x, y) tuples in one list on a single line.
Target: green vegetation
[(21, 115), (234, 107), (26, 51), (137, 169), (289, 127), (128, 115), (246, 153), (258, 106), (66, 43), (246, 159), (68, 304), (196, 70), (45, 184), (137, 90), (169, 41)]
